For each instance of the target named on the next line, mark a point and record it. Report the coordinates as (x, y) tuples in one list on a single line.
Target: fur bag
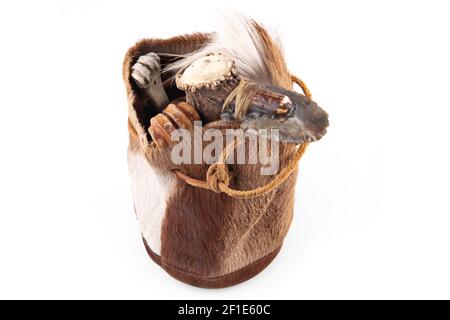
[(199, 236)]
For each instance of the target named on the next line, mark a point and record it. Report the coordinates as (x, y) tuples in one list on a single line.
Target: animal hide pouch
[(216, 132)]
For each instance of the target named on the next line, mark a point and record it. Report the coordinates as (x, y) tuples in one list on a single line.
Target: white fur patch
[(150, 194)]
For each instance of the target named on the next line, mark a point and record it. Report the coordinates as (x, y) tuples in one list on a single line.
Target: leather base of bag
[(224, 281)]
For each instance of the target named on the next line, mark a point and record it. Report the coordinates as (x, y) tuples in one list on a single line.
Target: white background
[(372, 218)]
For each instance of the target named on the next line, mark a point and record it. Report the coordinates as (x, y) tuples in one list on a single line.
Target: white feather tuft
[(236, 37)]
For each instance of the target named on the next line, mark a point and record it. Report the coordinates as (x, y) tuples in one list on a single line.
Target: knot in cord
[(218, 175)]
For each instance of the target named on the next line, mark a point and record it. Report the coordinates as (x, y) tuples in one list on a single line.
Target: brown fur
[(208, 235)]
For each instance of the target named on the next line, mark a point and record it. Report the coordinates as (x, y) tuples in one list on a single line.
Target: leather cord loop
[(218, 176)]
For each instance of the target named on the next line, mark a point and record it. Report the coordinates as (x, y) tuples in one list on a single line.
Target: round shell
[(207, 72)]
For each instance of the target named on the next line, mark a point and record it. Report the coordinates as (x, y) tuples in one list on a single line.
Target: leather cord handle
[(218, 176)]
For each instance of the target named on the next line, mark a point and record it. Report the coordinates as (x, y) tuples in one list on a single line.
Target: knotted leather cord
[(218, 176)]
